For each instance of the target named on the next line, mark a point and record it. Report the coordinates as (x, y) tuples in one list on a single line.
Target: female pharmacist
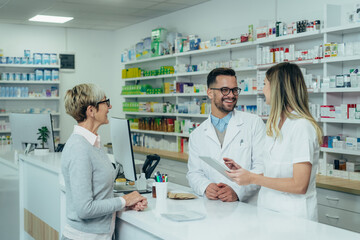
[(292, 144), (88, 173)]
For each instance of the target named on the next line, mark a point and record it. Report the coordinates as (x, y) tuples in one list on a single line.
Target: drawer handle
[(332, 199), (334, 217)]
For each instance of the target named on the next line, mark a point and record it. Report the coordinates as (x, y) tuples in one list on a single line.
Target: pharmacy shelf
[(183, 157), (8, 114), (300, 63), (160, 133), (339, 90), (29, 66), (217, 49), (29, 82), (341, 59), (165, 95), (151, 59), (5, 131), (184, 74), (149, 77), (345, 29), (332, 120), (340, 151), (167, 114), (30, 98), (182, 95), (192, 115), (290, 38)]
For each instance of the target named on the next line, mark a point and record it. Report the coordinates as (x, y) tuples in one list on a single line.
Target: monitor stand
[(28, 148)]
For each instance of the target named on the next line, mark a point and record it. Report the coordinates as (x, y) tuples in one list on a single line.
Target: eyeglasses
[(107, 101), (226, 91)]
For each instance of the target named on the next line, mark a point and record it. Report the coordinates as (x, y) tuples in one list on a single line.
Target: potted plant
[(43, 133)]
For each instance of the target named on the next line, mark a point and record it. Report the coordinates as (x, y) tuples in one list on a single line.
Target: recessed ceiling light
[(50, 19)]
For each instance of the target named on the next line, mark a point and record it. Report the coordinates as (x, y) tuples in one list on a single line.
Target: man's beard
[(221, 107)]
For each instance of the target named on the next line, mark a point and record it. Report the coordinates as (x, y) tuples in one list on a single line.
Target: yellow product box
[(327, 50), (124, 73), (334, 49)]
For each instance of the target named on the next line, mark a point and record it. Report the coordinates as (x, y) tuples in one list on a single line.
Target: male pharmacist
[(226, 133)]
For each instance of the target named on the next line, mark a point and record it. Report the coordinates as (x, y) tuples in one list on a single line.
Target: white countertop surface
[(227, 221), (50, 161)]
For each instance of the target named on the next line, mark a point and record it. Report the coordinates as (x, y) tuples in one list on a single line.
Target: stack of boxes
[(158, 36)]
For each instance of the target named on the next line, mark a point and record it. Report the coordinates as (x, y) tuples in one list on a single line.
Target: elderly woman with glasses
[(88, 173)]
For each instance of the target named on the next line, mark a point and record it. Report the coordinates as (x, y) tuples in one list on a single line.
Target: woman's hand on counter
[(140, 206), (135, 201)]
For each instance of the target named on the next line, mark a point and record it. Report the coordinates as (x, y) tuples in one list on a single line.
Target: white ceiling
[(91, 14)]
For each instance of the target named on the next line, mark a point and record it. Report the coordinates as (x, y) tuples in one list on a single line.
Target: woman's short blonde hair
[(80, 97)]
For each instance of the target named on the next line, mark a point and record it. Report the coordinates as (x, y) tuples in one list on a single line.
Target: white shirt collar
[(89, 136)]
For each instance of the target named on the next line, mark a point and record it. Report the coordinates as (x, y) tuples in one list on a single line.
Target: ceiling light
[(50, 19)]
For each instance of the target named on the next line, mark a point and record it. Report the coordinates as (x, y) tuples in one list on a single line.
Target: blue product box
[(30, 61), (39, 75), (45, 59), (26, 53), (17, 76), (55, 75), (31, 76), (47, 75), (4, 76), (3, 60), (24, 77), (53, 58), (10, 76), (16, 60), (37, 58), (330, 140), (23, 60), (10, 60)]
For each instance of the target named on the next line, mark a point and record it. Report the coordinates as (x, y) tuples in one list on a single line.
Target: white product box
[(344, 110), (352, 167), (351, 143), (354, 176), (341, 174)]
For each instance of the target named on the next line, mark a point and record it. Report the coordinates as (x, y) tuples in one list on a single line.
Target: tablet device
[(221, 168)]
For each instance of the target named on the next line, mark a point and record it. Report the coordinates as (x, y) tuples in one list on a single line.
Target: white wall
[(94, 58), (98, 52)]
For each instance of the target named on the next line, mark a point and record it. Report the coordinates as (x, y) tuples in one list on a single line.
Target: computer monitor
[(122, 146), (24, 129)]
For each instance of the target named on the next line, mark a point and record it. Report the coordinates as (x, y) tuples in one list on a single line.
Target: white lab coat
[(299, 144), (243, 142)]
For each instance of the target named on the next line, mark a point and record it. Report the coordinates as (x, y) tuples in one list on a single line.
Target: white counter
[(223, 221), (39, 196), (9, 194), (39, 183)]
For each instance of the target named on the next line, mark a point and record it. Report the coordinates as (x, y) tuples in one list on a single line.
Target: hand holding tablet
[(218, 166)]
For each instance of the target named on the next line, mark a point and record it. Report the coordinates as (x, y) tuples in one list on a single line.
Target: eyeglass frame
[(107, 101), (238, 90)]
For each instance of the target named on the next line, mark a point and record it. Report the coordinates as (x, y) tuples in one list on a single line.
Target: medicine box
[(158, 35)]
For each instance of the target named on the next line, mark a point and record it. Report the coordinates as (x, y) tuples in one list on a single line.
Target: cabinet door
[(339, 200), (339, 218)]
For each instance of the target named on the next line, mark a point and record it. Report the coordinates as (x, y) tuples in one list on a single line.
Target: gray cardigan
[(89, 178)]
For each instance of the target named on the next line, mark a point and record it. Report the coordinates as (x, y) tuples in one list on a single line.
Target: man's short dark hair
[(211, 78)]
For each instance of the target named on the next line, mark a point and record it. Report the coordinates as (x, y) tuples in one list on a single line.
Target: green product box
[(158, 35), (157, 49)]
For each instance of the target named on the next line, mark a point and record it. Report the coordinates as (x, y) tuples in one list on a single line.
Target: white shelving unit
[(23, 104), (323, 67)]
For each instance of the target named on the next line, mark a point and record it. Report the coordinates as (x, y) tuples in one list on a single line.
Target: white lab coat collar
[(234, 126), (89, 136)]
